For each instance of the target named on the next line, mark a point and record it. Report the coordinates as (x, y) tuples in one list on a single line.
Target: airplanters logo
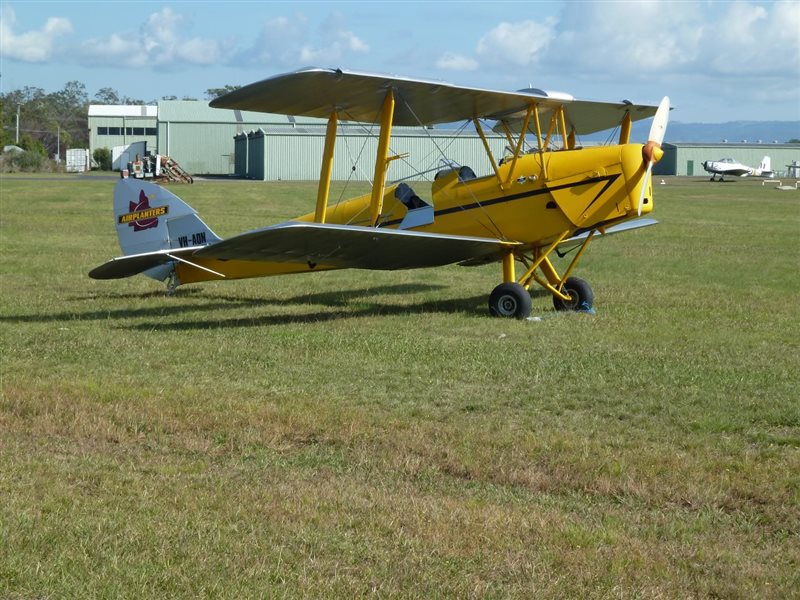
[(142, 216)]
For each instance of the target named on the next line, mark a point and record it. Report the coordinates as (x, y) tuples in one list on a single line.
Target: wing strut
[(327, 168), (486, 147), (625, 129), (382, 158), (518, 149)]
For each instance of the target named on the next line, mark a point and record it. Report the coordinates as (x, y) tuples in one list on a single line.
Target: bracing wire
[(497, 232)]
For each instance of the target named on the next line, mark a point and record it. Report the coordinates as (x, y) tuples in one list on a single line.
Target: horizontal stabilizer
[(347, 246), (133, 264)]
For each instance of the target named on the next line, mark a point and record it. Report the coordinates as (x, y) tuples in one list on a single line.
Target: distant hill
[(753, 132), (733, 132)]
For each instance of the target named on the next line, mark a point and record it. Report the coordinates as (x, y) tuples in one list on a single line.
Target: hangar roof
[(198, 111), (122, 110)]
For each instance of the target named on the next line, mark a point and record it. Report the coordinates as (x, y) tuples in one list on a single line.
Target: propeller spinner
[(652, 152)]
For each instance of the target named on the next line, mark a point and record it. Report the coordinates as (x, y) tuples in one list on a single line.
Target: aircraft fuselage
[(544, 196)]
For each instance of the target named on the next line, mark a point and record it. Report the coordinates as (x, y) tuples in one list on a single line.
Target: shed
[(240, 167), (296, 155)]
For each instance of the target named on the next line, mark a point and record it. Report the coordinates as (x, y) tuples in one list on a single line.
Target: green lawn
[(360, 433)]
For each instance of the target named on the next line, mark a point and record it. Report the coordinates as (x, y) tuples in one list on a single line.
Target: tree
[(72, 97), (107, 95), (212, 93)]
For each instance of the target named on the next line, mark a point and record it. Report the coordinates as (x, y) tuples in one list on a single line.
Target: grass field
[(350, 434)]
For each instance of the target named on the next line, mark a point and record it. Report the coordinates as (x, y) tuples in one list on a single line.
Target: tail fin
[(150, 218), (766, 164)]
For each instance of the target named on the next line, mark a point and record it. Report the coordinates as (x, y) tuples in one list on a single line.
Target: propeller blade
[(654, 141), (660, 120)]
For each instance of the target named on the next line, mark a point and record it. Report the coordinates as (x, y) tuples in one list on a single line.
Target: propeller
[(652, 152)]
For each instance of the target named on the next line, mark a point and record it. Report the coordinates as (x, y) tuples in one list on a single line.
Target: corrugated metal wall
[(298, 157), (123, 124), (200, 148), (255, 154), (240, 155)]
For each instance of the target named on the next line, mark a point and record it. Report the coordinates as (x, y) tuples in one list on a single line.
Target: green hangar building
[(270, 147), (685, 158)]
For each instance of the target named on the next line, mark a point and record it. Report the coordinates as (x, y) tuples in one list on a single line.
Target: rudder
[(151, 218)]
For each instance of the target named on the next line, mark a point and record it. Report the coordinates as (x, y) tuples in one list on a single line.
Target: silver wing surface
[(618, 228), (348, 246), (133, 264), (340, 246), (357, 96), (576, 239)]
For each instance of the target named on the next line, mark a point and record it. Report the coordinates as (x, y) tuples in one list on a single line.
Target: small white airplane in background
[(728, 166)]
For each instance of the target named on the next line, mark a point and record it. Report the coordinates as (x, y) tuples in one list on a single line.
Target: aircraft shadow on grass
[(353, 303)]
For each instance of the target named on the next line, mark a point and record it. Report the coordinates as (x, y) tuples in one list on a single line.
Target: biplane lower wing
[(348, 246), (331, 246), (618, 228), (576, 239)]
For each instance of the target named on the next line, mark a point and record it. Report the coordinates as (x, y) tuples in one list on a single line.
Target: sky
[(717, 60)]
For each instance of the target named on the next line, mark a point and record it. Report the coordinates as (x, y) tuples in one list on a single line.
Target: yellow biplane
[(545, 194)]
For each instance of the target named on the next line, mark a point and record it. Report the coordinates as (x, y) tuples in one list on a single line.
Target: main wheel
[(581, 296), (510, 300)]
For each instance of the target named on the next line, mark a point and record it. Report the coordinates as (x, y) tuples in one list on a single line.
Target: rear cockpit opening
[(464, 173)]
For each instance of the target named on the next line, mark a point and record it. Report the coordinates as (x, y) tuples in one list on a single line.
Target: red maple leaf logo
[(143, 204)]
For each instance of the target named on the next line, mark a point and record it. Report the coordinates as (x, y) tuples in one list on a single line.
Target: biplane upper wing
[(357, 96), (349, 246)]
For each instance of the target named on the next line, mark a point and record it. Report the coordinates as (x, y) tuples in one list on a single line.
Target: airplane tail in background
[(764, 169), (150, 218)]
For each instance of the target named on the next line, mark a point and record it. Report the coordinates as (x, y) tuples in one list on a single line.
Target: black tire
[(510, 300), (579, 291)]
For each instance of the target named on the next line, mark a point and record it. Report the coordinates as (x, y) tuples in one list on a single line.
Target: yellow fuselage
[(546, 195)]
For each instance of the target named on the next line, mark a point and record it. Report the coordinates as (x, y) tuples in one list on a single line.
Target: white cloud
[(519, 44), (160, 42), (630, 37), (753, 40), (32, 46), (456, 62), (285, 42)]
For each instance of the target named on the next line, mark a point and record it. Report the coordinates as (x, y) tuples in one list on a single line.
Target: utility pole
[(18, 105)]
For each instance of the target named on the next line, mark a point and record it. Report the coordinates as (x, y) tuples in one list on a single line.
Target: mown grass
[(359, 433)]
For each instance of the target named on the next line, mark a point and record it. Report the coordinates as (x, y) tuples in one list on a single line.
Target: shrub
[(27, 162), (102, 157)]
